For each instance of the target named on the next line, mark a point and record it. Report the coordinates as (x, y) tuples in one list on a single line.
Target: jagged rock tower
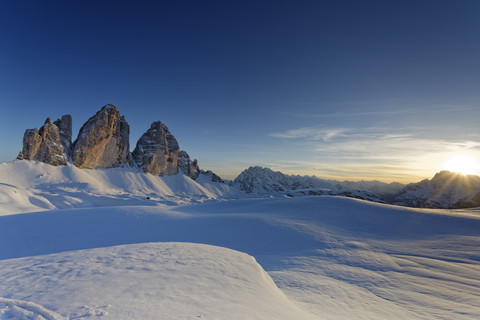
[(46, 144), (103, 141), (64, 125), (188, 167), (157, 151)]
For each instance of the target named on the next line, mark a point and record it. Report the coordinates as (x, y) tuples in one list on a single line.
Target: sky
[(384, 90)]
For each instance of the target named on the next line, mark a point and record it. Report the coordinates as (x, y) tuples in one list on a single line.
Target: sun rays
[(461, 164)]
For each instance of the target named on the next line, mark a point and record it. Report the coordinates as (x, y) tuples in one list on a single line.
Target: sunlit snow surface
[(330, 258)]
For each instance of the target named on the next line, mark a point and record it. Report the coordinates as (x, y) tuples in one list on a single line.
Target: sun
[(461, 164)]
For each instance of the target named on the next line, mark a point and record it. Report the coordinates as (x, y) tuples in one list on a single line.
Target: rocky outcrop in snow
[(103, 141), (44, 145), (447, 190), (157, 151), (188, 167), (211, 176)]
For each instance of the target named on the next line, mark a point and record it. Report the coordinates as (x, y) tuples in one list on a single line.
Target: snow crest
[(11, 309)]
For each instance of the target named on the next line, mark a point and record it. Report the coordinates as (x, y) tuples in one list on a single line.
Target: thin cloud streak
[(374, 153), (311, 133)]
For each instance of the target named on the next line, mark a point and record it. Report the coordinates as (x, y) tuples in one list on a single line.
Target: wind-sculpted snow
[(11, 309), (337, 258), (101, 249), (144, 281)]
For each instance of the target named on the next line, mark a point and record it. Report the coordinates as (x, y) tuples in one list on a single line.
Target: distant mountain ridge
[(265, 181), (447, 190)]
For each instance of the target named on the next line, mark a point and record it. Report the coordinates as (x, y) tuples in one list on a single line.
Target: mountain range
[(446, 190), (103, 143)]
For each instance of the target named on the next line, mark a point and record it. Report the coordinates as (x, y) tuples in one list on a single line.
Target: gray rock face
[(188, 167), (44, 145), (64, 125), (103, 141), (157, 151)]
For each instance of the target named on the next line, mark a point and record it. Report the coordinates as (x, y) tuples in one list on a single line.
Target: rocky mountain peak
[(103, 141), (44, 145), (157, 151), (445, 190)]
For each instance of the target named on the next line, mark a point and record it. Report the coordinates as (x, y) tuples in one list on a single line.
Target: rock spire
[(188, 167), (157, 151), (44, 145), (103, 141)]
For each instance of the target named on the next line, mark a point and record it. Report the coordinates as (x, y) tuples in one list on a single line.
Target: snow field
[(98, 249), (27, 186), (148, 281)]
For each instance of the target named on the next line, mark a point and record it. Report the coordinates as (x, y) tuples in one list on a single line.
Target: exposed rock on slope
[(446, 190), (157, 151), (44, 145), (212, 176), (103, 141), (188, 167)]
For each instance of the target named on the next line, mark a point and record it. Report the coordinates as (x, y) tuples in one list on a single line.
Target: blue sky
[(384, 90)]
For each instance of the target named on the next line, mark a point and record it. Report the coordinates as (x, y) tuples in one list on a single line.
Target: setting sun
[(461, 164)]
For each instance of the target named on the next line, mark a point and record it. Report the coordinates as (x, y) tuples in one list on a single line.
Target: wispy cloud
[(311, 133), (377, 153)]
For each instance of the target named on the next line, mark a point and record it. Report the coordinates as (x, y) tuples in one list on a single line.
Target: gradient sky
[(385, 90)]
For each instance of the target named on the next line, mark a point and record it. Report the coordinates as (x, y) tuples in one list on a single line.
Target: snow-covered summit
[(266, 181), (445, 190)]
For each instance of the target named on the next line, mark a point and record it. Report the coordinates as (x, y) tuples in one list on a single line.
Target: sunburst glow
[(461, 164)]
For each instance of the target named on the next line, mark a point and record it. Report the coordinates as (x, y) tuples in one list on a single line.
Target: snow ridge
[(18, 309)]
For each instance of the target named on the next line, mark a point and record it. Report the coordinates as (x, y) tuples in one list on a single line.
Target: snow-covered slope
[(266, 181), (445, 190), (143, 281), (108, 252), (336, 258), (35, 186)]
